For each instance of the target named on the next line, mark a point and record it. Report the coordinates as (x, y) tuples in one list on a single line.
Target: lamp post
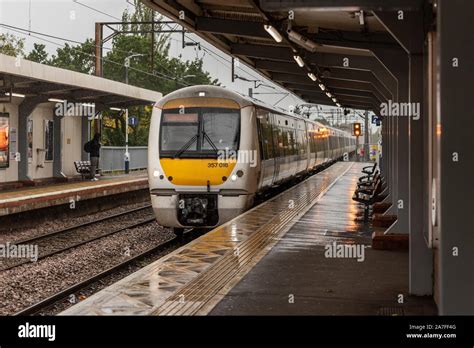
[(127, 154)]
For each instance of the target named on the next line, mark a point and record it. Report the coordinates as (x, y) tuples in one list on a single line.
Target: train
[(211, 151)]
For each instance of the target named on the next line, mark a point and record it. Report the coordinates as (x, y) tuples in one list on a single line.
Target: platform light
[(15, 95), (115, 109), (323, 87), (273, 33), (233, 177), (299, 61), (56, 100), (329, 94), (312, 76), (338, 105), (334, 100), (356, 130), (361, 18), (302, 40), (92, 105), (156, 173)]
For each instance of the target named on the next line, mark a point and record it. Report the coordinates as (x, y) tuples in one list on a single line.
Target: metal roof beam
[(342, 5), (329, 82), (279, 53), (231, 27)]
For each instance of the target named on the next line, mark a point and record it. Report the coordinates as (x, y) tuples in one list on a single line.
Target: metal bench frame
[(83, 168)]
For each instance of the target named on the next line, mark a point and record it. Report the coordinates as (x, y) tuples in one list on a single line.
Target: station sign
[(376, 120), (133, 121)]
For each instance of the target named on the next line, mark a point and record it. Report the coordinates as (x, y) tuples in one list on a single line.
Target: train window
[(176, 133), (220, 129), (199, 131), (291, 146), (265, 136), (278, 142)]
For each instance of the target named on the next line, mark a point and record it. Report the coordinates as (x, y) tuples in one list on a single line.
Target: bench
[(83, 168), (368, 189)]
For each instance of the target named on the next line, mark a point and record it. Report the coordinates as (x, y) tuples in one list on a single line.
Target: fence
[(112, 158)]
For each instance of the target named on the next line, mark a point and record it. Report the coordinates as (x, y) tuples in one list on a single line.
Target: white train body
[(212, 150)]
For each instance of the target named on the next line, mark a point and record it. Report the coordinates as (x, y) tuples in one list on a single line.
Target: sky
[(74, 20)]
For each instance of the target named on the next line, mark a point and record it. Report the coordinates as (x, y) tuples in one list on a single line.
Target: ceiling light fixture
[(273, 33), (299, 61)]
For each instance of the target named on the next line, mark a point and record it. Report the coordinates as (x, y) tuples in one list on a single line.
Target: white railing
[(112, 158)]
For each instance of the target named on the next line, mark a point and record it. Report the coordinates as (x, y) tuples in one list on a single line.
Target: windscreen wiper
[(185, 146), (209, 140)]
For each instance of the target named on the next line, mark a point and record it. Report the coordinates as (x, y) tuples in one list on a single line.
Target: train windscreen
[(196, 132)]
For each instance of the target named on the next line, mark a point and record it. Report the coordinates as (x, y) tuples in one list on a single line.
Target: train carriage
[(211, 150)]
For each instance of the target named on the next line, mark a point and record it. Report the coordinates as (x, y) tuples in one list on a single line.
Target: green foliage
[(11, 45), (38, 54), (79, 58)]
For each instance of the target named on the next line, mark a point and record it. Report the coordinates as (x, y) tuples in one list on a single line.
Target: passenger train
[(211, 150)]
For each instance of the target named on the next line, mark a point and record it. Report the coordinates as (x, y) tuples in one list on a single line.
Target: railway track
[(63, 239), (63, 295)]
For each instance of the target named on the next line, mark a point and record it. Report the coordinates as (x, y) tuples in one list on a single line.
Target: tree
[(38, 54), (79, 58), (11, 45), (154, 70)]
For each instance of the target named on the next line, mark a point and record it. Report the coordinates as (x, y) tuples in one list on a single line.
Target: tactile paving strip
[(185, 281)]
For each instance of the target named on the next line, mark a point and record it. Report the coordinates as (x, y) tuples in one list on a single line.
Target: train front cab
[(190, 185)]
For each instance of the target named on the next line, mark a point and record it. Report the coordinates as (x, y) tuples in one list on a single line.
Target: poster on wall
[(48, 139), (4, 140), (29, 135)]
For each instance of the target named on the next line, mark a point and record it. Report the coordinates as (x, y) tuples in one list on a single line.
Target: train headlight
[(233, 177), (156, 173)]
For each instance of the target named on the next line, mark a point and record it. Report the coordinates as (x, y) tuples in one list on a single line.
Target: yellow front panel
[(196, 171)]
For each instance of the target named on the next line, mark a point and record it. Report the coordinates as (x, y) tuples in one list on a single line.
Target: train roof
[(222, 92)]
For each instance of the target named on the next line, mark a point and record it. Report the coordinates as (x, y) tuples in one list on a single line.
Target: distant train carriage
[(211, 150)]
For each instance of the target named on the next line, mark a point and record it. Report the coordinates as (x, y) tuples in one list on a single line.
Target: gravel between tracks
[(27, 284), (56, 224)]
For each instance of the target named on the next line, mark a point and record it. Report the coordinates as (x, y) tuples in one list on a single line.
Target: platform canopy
[(335, 43), (30, 79)]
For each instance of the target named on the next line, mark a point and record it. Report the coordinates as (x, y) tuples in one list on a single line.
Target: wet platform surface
[(307, 272), (191, 278), (270, 260), (25, 199)]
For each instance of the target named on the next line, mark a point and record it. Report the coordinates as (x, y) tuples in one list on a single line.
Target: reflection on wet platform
[(192, 279)]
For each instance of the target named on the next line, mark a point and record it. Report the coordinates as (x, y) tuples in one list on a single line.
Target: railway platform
[(301, 252), (68, 196)]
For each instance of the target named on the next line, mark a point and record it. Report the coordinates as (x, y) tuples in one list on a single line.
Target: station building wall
[(38, 168), (71, 142), (71, 132)]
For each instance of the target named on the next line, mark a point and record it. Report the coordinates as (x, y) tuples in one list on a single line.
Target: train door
[(303, 157), (264, 127), (277, 146)]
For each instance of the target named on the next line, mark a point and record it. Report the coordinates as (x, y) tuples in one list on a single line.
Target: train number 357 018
[(217, 165)]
